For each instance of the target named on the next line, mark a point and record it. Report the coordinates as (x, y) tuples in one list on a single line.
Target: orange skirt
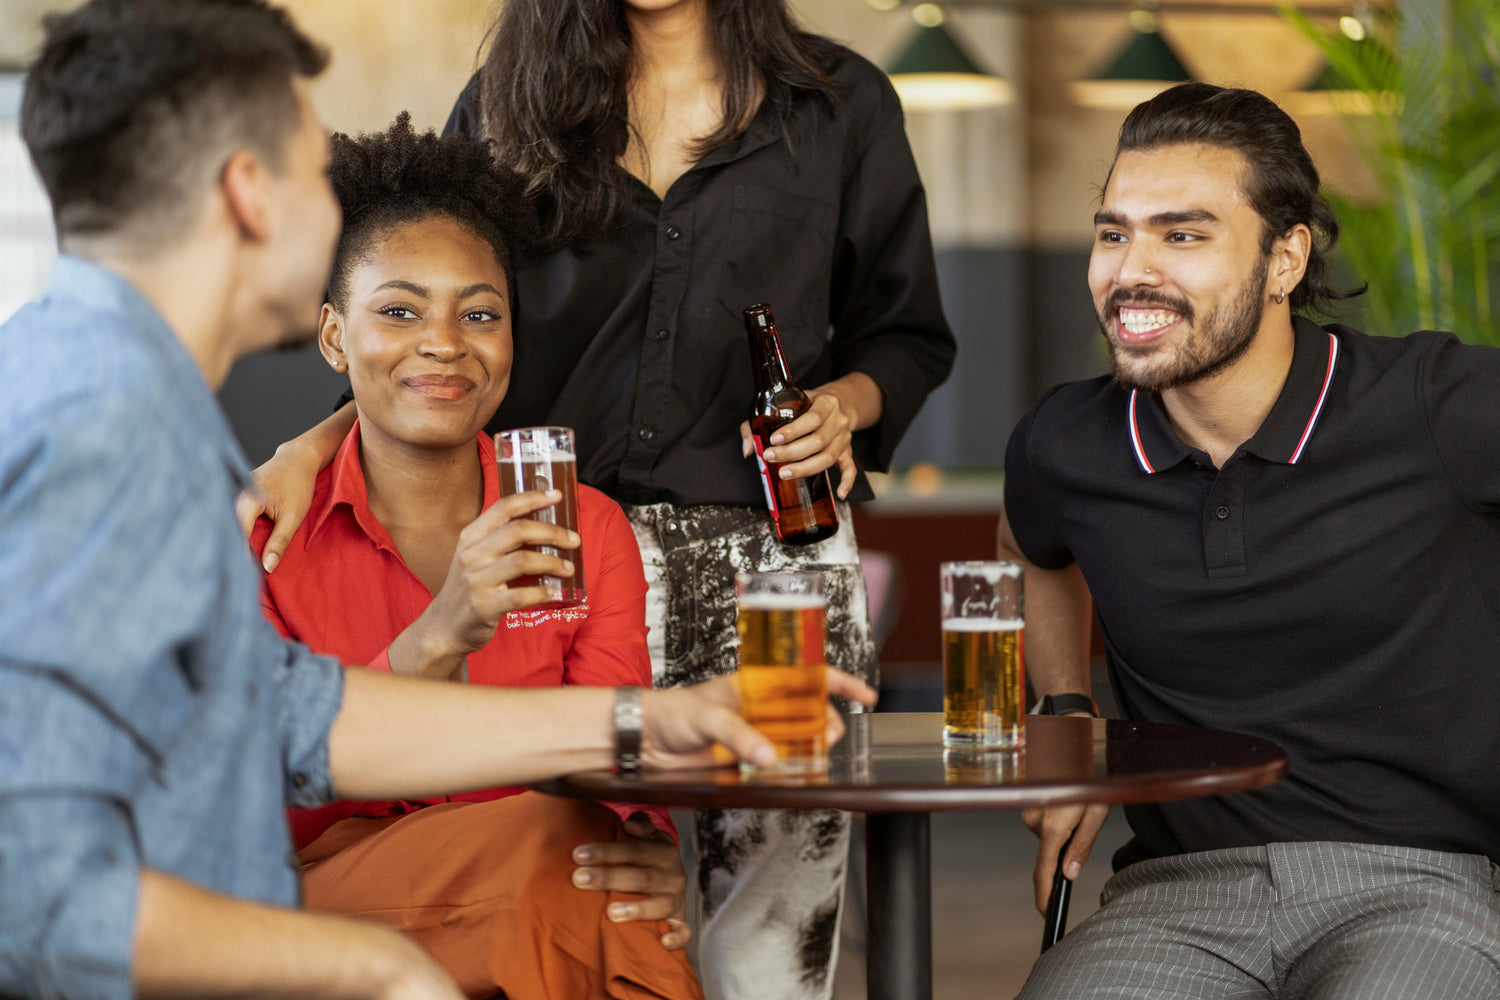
[(486, 888)]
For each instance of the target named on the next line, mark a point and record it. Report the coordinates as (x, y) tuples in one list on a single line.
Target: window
[(27, 243)]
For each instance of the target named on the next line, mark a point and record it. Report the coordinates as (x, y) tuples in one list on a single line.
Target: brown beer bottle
[(802, 509)]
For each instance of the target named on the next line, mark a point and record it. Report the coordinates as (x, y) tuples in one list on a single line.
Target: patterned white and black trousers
[(769, 883), (1297, 921)]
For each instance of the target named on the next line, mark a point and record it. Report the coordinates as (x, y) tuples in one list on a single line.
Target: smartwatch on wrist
[(628, 718), (1062, 704)]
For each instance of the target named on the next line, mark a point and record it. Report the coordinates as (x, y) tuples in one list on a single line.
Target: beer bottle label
[(765, 477)]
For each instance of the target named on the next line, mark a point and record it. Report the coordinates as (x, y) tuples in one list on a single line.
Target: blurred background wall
[(1011, 189), (1011, 192)]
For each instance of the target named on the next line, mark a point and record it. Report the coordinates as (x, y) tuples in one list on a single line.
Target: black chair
[(885, 583)]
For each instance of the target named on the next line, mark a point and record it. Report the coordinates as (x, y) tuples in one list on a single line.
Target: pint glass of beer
[(783, 676), (544, 458), (984, 686)]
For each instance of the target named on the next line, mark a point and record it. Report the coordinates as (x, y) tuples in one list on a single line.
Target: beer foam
[(782, 602), (540, 458), (983, 624), (991, 572)]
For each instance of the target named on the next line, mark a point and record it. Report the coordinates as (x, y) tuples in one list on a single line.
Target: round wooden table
[(893, 767)]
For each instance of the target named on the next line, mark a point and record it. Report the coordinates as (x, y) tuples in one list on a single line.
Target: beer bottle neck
[(765, 353)]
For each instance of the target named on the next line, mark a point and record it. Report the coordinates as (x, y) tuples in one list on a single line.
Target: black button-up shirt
[(635, 338), (1335, 587)]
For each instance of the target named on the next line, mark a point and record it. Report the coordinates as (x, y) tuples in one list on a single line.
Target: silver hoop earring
[(1280, 297)]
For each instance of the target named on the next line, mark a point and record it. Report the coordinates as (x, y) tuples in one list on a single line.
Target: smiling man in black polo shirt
[(1288, 530)]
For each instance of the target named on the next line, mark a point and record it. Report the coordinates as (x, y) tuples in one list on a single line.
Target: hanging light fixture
[(1144, 67), (1355, 25), (934, 73)]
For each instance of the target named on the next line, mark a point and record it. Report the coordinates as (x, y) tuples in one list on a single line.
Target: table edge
[(1161, 786)]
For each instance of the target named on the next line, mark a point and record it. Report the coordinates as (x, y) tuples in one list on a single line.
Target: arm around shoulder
[(285, 483)]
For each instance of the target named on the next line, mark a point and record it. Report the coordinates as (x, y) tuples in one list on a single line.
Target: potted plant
[(1428, 122)]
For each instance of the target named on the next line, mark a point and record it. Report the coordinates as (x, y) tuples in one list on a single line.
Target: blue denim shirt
[(149, 717)]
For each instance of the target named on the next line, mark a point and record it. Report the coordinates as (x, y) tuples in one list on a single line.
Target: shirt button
[(673, 232), (299, 779), (645, 433), (1222, 513), (672, 527), (662, 335)]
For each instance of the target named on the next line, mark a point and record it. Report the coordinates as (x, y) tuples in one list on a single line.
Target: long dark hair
[(1282, 185), (554, 95)]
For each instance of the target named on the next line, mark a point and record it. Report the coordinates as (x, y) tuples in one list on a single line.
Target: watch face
[(628, 729)]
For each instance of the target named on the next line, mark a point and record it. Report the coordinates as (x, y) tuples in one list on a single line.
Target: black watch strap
[(628, 718), (1062, 704)]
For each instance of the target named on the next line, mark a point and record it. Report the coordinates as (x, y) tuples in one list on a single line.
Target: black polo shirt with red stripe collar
[(1335, 587)]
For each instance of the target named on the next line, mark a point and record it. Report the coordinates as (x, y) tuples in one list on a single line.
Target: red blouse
[(343, 589)]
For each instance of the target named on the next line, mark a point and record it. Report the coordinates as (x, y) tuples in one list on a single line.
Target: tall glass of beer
[(783, 676), (984, 683), (544, 458)]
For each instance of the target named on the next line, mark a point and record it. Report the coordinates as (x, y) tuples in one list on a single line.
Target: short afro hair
[(386, 179)]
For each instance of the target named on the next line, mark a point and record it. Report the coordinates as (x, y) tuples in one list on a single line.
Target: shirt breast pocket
[(780, 253)]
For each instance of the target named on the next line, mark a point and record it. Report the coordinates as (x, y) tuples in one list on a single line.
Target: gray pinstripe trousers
[(1303, 921)]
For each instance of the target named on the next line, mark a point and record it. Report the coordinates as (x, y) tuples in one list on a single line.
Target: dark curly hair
[(386, 179), (132, 106), (1282, 183)]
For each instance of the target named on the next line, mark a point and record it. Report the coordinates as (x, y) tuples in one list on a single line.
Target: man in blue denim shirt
[(152, 725)]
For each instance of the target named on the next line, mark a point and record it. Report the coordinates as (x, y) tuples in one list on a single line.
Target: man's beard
[(1224, 337)]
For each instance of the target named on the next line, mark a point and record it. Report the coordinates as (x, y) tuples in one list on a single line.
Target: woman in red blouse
[(404, 564)]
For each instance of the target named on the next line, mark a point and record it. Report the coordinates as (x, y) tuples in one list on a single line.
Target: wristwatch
[(628, 730), (1062, 704)]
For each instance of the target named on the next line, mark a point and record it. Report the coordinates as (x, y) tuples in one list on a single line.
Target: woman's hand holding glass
[(494, 552), (284, 485), (283, 492)]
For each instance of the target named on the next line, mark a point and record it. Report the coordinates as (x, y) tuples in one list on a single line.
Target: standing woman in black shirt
[(691, 158)]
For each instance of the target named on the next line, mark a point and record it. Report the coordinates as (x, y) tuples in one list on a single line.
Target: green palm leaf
[(1430, 246)]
